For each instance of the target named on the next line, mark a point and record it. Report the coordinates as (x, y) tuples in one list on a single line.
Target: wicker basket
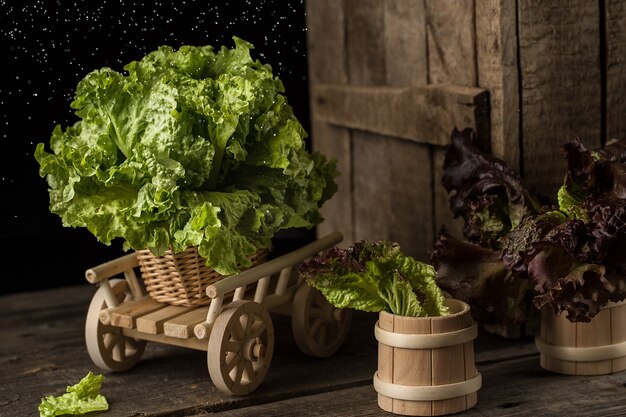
[(181, 278)]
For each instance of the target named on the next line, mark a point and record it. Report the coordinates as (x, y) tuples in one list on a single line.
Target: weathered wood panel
[(452, 60), (451, 42), (561, 89), (326, 49), (371, 176), (615, 33), (366, 41), (328, 64), (372, 183), (496, 52), (425, 114), (443, 214), (405, 42), (411, 214)]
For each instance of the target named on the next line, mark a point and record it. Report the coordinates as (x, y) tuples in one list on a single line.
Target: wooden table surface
[(42, 351)]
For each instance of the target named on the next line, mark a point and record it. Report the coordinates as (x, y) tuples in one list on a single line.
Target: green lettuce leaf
[(376, 276), (79, 399), (188, 147)]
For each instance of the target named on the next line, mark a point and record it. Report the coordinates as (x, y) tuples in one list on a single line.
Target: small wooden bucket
[(426, 364), (594, 348)]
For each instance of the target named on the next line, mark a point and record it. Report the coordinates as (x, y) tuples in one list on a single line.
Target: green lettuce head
[(376, 276), (188, 148)]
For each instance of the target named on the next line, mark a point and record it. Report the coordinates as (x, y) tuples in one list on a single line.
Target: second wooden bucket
[(426, 364), (594, 348)]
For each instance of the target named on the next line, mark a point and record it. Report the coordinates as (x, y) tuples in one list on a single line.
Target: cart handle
[(111, 268), (254, 274)]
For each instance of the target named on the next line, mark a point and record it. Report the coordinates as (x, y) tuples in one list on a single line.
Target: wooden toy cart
[(235, 328)]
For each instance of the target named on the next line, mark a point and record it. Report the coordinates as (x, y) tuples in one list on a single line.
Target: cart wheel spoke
[(257, 329), (108, 348), (244, 336), (249, 371), (318, 331), (230, 365)]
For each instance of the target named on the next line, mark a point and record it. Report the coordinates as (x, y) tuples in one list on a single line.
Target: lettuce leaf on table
[(79, 399), (376, 276), (189, 147)]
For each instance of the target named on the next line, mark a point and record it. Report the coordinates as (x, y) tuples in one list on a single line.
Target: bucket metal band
[(427, 392), (425, 341), (581, 354)]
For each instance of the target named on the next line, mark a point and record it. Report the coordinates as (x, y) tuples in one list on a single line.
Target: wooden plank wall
[(553, 70)]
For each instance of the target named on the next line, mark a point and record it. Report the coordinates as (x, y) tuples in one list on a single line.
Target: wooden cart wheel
[(108, 348), (318, 327), (241, 345)]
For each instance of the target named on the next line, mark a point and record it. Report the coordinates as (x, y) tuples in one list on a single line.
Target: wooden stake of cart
[(235, 328)]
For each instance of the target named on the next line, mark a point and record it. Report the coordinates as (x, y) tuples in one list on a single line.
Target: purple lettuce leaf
[(485, 192), (478, 276)]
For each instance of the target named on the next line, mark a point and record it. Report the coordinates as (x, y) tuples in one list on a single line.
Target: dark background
[(47, 46)]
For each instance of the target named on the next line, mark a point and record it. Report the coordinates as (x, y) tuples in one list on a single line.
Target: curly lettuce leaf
[(79, 399), (478, 276), (489, 196), (185, 135), (376, 276)]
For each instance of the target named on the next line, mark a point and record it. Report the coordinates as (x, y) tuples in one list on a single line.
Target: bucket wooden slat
[(385, 355), (618, 334), (448, 366), (559, 339), (420, 365)]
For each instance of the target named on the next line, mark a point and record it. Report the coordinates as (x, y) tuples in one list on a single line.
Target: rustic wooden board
[(328, 64), (496, 53), (425, 114), (615, 32), (561, 89), (326, 49), (371, 176), (451, 42), (513, 388), (335, 142), (405, 42), (443, 214), (410, 189), (372, 182), (365, 41), (43, 351)]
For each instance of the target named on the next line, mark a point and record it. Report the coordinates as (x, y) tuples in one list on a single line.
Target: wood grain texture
[(335, 143), (517, 388), (560, 80), (326, 49), (405, 42), (448, 365), (372, 183), (425, 114), (443, 213), (42, 351), (595, 333), (410, 189), (327, 59), (556, 332), (615, 32), (365, 41), (371, 177), (497, 66), (451, 42), (618, 334)]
